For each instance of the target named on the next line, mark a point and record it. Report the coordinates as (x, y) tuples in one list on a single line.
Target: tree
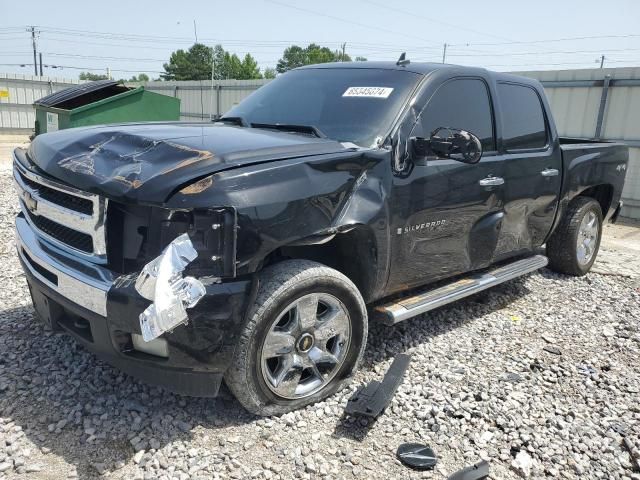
[(229, 66), (296, 56), (143, 77), (360, 59), (249, 69), (194, 64), (269, 73), (92, 76)]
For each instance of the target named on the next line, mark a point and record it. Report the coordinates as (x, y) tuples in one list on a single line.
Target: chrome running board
[(409, 307)]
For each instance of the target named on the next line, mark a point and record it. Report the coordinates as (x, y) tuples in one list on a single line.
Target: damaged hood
[(148, 162)]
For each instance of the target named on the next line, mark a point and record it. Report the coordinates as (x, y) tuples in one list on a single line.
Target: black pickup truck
[(256, 249)]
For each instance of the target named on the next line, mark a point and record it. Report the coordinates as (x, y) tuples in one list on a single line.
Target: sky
[(139, 36)]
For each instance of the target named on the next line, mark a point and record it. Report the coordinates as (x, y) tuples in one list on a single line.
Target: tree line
[(200, 61)]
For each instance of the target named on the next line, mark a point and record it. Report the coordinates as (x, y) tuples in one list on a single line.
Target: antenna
[(402, 61)]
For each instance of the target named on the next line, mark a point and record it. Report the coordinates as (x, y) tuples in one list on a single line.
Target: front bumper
[(101, 311)]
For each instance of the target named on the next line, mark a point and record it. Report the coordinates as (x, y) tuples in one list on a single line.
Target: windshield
[(348, 105)]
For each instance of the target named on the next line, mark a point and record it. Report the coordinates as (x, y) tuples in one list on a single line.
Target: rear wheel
[(305, 336), (573, 247)]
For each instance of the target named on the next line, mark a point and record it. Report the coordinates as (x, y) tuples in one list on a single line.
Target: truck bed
[(589, 163), (576, 140)]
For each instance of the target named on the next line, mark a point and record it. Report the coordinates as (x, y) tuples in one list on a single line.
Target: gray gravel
[(539, 376)]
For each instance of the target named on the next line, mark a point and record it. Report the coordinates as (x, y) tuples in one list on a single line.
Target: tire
[(280, 323), (565, 255)]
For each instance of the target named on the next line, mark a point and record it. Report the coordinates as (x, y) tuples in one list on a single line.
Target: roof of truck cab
[(423, 68), (414, 67)]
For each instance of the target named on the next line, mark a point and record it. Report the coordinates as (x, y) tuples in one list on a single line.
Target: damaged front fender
[(161, 282)]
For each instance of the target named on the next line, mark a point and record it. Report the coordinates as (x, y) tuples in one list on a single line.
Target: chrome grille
[(69, 218), (71, 202)]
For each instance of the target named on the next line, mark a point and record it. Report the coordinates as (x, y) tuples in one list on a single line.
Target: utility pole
[(40, 54), (108, 73), (602, 61), (213, 71), (444, 52), (344, 45), (33, 42)]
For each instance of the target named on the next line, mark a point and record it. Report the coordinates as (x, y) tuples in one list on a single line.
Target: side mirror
[(450, 143)]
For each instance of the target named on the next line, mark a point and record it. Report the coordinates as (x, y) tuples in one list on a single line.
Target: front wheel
[(305, 336), (574, 244)]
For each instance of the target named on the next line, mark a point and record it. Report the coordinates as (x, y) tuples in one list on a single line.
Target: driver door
[(446, 215)]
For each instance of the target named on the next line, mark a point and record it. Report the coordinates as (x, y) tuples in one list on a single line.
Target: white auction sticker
[(375, 92)]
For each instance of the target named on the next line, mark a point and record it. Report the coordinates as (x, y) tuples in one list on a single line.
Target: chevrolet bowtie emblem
[(30, 202)]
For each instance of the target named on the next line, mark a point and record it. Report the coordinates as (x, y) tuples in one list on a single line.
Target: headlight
[(161, 282)]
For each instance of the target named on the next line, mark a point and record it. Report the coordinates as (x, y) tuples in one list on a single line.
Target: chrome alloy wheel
[(305, 346), (587, 237)]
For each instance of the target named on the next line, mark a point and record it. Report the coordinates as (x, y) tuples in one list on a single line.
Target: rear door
[(445, 214), (532, 169)]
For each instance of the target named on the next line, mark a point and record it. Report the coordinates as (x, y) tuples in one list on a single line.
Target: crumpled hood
[(147, 162)]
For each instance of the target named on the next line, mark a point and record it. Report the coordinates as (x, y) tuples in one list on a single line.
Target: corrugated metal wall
[(201, 99), (579, 97), (17, 94)]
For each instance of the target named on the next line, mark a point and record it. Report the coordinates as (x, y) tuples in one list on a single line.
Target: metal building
[(17, 94), (201, 100), (600, 103)]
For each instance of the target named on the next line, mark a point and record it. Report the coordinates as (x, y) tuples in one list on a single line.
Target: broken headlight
[(138, 234), (161, 281)]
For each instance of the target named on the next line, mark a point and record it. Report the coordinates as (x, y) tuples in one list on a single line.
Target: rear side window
[(523, 118), (464, 104)]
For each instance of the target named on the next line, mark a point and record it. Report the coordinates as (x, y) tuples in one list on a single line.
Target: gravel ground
[(539, 376)]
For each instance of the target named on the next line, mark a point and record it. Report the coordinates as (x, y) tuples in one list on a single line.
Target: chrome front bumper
[(84, 283)]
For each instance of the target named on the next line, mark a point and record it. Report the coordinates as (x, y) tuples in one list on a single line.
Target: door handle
[(491, 181), (549, 172)]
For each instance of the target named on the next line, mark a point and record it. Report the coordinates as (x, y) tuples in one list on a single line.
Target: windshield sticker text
[(374, 92)]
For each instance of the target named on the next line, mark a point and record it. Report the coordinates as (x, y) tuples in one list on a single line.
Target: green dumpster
[(100, 102)]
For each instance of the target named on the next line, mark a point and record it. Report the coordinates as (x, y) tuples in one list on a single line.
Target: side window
[(463, 104), (523, 118)]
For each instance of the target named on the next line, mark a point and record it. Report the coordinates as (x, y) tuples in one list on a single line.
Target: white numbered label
[(373, 92)]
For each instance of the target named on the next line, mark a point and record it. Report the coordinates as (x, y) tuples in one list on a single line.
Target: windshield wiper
[(287, 127), (240, 121)]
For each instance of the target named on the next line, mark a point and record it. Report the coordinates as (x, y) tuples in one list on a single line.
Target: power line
[(155, 38), (188, 41), (95, 69), (339, 19), (433, 20), (78, 37), (558, 64), (128, 59), (504, 54), (112, 35), (566, 39), (495, 54), (441, 22), (366, 48)]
